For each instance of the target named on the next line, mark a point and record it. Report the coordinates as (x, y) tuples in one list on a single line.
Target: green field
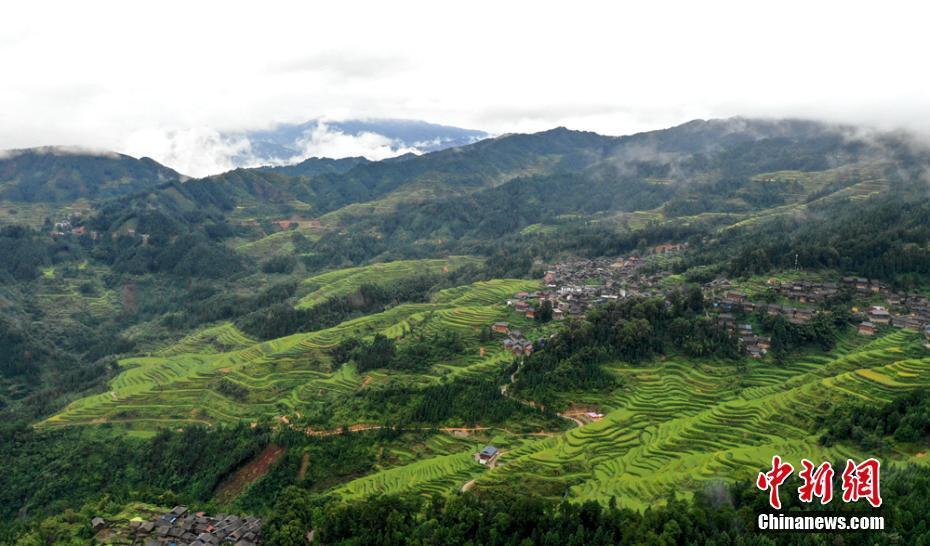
[(681, 426), (677, 424), (345, 281), (289, 376)]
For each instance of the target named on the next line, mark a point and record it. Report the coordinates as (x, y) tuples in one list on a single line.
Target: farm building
[(866, 329), (501, 327), (487, 455)]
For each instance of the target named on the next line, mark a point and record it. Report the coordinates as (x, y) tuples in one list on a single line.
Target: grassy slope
[(682, 424), (290, 375), (678, 426), (345, 281)]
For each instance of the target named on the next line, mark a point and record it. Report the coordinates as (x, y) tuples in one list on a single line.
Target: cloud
[(621, 68), (195, 152), (342, 64), (323, 141), (204, 151), (58, 151)]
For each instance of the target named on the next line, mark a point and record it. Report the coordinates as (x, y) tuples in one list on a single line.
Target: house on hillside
[(487, 455), (879, 315), (866, 329), (735, 296), (501, 328), (97, 524)]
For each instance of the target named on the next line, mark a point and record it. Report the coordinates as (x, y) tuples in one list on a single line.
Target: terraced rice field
[(680, 425), (285, 376), (677, 425), (441, 474), (345, 281)]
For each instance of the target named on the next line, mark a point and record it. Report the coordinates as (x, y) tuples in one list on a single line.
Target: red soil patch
[(301, 223), (241, 479)]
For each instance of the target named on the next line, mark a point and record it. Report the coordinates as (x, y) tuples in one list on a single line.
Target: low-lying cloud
[(323, 141), (194, 152), (205, 151)]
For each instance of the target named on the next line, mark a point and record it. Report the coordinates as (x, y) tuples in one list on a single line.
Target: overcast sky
[(123, 75)]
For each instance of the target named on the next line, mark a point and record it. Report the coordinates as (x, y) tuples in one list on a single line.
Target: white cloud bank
[(194, 152), (204, 151), (112, 74), (323, 141)]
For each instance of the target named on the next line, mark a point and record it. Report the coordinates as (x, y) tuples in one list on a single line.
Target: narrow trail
[(362, 427)]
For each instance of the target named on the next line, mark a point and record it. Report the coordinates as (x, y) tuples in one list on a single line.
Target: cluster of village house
[(515, 341), (902, 310), (65, 228), (573, 287), (179, 527)]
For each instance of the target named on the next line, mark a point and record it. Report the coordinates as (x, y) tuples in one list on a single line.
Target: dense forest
[(719, 515), (633, 330), (905, 419)]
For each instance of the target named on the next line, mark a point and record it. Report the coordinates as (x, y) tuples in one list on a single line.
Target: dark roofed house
[(487, 454), (735, 296), (866, 329), (178, 511), (879, 315)]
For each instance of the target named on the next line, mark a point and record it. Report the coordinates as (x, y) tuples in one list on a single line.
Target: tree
[(544, 313)]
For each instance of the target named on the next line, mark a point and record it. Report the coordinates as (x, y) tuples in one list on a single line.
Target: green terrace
[(190, 381)]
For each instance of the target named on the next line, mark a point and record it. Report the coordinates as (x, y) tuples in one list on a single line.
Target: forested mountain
[(58, 174), (317, 165)]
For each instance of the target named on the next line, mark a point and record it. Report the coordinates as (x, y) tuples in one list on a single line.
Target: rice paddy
[(681, 425), (345, 281), (677, 425), (288, 376)]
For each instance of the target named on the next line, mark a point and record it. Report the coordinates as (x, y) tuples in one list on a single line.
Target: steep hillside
[(317, 165), (61, 175)]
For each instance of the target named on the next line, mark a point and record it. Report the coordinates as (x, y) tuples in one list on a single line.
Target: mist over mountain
[(204, 151), (373, 139)]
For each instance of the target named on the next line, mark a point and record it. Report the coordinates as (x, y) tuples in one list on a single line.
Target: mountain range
[(291, 339)]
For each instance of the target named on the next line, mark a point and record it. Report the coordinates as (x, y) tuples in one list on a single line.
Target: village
[(180, 527), (571, 288), (67, 228)]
